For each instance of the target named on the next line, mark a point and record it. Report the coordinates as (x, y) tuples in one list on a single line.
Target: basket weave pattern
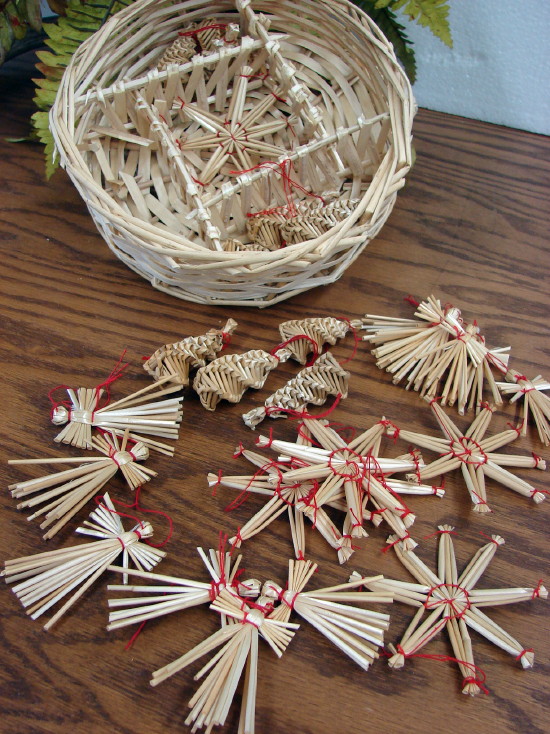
[(233, 154)]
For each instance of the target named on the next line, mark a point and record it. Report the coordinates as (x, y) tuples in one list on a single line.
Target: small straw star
[(535, 403)]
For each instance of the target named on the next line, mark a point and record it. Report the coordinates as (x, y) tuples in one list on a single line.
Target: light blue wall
[(499, 68)]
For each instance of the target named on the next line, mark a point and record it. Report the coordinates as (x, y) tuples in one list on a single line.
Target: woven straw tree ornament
[(237, 153), (311, 386), (475, 455), (358, 633), (438, 354), (238, 654), (67, 491), (167, 594), (176, 360), (445, 600), (42, 580), (535, 403)]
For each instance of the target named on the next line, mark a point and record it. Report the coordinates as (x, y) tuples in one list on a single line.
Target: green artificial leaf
[(387, 21), (81, 20), (432, 14)]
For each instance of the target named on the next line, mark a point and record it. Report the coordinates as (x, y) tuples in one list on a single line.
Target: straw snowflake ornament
[(228, 377), (168, 594), (350, 477), (311, 386), (535, 403), (67, 491), (237, 654), (475, 455), (142, 412), (438, 354), (445, 600), (44, 579), (177, 359), (356, 632)]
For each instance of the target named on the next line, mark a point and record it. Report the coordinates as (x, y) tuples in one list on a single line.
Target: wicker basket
[(232, 154)]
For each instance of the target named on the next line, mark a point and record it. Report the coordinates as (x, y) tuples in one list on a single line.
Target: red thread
[(279, 99), (412, 301), (536, 458), (136, 634), (355, 339), (269, 440), (439, 532), (194, 33), (357, 469), (524, 652), (396, 430), (241, 498), (448, 658), (536, 591), (135, 505), (239, 451), (226, 339), (467, 452), (218, 482), (395, 542), (517, 428), (490, 538), (432, 603), (295, 414), (121, 542), (295, 338)]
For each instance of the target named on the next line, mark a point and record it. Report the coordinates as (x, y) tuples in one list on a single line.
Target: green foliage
[(432, 14), (64, 37), (16, 17)]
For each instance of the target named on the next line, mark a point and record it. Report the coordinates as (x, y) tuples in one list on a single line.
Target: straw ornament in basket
[(475, 454), (67, 491), (238, 124), (438, 354), (448, 601), (42, 580)]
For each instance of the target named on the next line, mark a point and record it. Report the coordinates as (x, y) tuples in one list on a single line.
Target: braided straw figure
[(42, 580), (238, 653), (318, 331), (445, 600), (534, 402), (439, 343), (476, 455), (233, 245), (191, 41), (356, 632), (142, 412), (313, 218), (228, 377), (167, 594), (311, 386), (176, 360), (67, 491)]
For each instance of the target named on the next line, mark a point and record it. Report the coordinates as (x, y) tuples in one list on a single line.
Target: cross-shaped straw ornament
[(348, 476), (168, 594), (535, 403), (445, 600), (238, 653), (42, 580), (437, 353), (475, 455), (356, 632), (67, 491), (177, 359)]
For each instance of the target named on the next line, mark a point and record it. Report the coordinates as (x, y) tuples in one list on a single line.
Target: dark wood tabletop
[(471, 227)]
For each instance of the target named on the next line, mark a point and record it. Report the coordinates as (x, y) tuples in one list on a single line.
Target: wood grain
[(471, 227)]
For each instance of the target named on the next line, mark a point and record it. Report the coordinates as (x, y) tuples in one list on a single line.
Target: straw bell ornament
[(42, 580)]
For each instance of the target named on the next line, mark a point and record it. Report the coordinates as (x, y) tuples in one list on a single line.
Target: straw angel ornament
[(535, 402), (438, 353), (167, 594), (448, 601), (144, 413), (356, 632), (311, 386), (176, 360), (67, 491), (475, 455), (237, 654), (42, 580)]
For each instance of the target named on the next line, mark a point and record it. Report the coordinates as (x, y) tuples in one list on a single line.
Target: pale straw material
[(308, 95)]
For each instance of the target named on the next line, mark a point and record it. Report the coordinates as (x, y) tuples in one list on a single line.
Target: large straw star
[(448, 601), (475, 455)]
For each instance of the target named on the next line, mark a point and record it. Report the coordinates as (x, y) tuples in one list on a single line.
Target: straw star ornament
[(451, 602), (475, 455), (535, 403)]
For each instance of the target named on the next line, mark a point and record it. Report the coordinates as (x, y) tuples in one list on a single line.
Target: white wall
[(499, 67)]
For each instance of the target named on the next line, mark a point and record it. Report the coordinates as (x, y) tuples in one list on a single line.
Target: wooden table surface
[(471, 227)]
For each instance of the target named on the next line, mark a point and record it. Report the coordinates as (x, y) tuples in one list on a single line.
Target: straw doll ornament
[(535, 403), (237, 655), (145, 413), (357, 632), (475, 454), (178, 359), (62, 494), (228, 377), (167, 594), (311, 386), (448, 601), (438, 354), (42, 580)]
